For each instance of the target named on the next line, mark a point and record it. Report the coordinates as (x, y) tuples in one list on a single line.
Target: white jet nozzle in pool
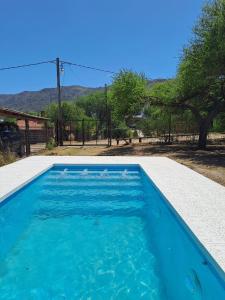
[(104, 173), (124, 173), (84, 172), (63, 173)]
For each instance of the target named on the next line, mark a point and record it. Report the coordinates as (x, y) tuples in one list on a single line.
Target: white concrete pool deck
[(198, 200)]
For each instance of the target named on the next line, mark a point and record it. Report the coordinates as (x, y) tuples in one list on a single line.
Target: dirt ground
[(210, 163)]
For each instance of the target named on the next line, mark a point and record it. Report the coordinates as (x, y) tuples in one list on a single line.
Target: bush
[(51, 144), (120, 133)]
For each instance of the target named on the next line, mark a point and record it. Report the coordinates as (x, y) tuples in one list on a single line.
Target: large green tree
[(127, 95), (94, 105), (201, 74), (70, 112), (200, 83)]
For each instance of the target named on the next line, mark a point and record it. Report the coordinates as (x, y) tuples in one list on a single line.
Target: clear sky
[(142, 35)]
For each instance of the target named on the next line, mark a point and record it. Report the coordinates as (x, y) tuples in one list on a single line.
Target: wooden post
[(110, 128), (83, 136), (27, 137), (70, 133), (169, 138), (56, 133), (96, 127), (46, 133), (107, 116), (60, 130)]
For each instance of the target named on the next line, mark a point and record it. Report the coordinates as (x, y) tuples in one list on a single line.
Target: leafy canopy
[(127, 94), (201, 72), (70, 112)]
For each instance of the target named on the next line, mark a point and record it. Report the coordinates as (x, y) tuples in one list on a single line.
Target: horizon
[(65, 86)]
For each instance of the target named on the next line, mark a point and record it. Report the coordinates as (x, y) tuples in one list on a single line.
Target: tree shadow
[(213, 156), (209, 158), (119, 151)]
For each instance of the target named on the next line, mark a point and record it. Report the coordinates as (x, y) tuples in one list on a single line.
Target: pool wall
[(188, 270), (15, 213)]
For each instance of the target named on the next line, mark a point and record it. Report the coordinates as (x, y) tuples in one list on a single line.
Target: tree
[(200, 82), (70, 112), (201, 74), (219, 123), (94, 105), (127, 93)]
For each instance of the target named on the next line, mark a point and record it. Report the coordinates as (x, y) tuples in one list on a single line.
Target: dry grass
[(6, 158), (70, 150), (210, 163)]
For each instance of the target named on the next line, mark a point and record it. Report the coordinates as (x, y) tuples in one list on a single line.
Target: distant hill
[(37, 100), (28, 101)]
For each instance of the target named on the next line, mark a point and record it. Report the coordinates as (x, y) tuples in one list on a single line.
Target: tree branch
[(182, 105)]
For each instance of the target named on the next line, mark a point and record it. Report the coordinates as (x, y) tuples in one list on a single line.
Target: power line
[(54, 61), (27, 65), (87, 67)]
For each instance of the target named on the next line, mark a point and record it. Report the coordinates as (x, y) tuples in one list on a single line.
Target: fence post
[(46, 133), (96, 131), (70, 133), (27, 137), (56, 133), (169, 141), (83, 136), (109, 128)]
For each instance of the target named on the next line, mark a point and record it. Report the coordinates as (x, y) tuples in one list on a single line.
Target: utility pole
[(106, 108), (60, 132), (106, 97), (108, 116)]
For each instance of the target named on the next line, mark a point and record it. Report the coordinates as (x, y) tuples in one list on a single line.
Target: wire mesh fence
[(86, 132), (169, 130)]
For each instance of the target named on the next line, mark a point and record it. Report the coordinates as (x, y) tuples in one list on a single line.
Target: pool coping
[(199, 201)]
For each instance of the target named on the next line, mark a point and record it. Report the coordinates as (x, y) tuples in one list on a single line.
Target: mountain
[(37, 100), (28, 101)]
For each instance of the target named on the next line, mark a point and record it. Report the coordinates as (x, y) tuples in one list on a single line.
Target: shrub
[(51, 144)]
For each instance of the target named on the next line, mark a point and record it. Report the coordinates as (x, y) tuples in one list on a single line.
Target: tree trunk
[(203, 132), (204, 126)]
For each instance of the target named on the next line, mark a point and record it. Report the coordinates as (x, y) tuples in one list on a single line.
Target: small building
[(35, 128)]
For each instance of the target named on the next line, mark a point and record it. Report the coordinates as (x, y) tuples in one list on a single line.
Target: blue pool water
[(99, 232)]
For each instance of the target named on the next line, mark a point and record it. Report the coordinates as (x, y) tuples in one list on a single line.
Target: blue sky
[(142, 35)]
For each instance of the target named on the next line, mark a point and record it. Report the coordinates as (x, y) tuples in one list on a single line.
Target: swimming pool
[(99, 232)]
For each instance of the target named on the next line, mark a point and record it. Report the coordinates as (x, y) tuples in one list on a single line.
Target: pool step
[(92, 177), (90, 192), (87, 212), (98, 183), (53, 188)]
